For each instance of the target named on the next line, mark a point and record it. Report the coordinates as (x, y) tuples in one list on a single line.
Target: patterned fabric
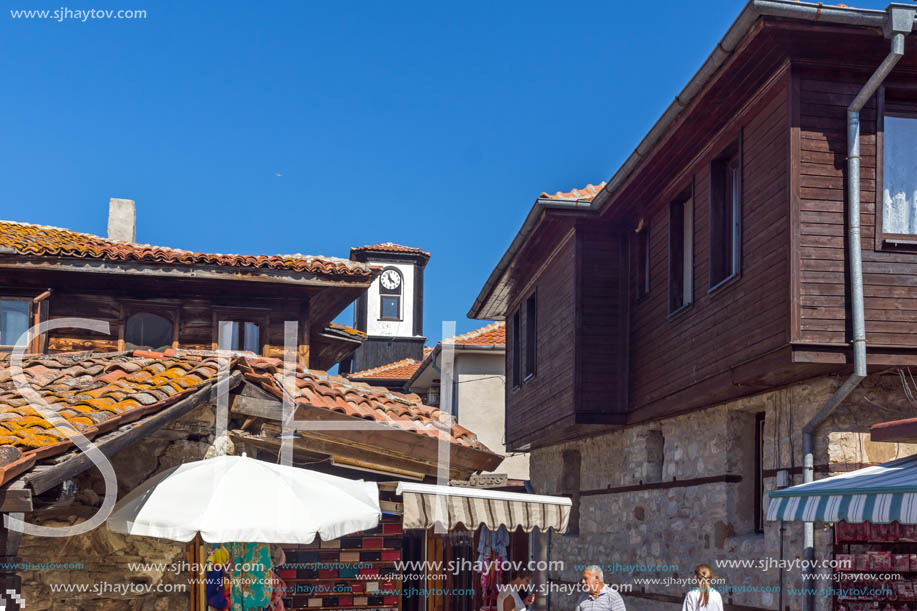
[(881, 494), (278, 589), (251, 589)]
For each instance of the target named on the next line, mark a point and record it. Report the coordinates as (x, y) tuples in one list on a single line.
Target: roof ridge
[(49, 240), (389, 247)]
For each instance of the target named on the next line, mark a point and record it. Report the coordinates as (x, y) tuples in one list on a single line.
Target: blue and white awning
[(882, 494)]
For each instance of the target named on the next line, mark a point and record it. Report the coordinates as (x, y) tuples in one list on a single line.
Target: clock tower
[(391, 310)]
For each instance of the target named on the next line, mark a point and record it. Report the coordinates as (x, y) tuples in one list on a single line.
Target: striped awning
[(426, 505), (882, 494)]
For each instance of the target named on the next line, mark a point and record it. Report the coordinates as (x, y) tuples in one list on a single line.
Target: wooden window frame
[(640, 256), (400, 311), (896, 242), (129, 307), (732, 153), (259, 316), (30, 316), (516, 360), (531, 336), (681, 293)]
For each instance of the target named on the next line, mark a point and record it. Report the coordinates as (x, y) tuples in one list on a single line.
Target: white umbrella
[(235, 498)]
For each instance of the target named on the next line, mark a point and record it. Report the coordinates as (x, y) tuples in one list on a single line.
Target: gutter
[(899, 23), (754, 9)]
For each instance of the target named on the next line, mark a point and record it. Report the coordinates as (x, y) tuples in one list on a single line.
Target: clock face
[(390, 279)]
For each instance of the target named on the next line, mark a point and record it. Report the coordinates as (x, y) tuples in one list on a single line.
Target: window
[(681, 251), (14, 321), (240, 335), (640, 256), (745, 497), (531, 319), (390, 286), (898, 194), (725, 215), (390, 308), (241, 329), (148, 330), (517, 349)]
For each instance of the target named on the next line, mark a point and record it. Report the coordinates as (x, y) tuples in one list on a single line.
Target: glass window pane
[(251, 338), (147, 330), (899, 205), (227, 335), (390, 307), (14, 321)]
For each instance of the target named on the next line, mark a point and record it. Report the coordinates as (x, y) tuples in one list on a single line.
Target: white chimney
[(122, 220)]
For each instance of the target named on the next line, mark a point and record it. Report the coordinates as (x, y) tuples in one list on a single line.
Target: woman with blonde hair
[(702, 597)]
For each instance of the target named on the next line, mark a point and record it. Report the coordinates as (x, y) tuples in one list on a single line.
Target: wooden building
[(134, 344), (671, 331)]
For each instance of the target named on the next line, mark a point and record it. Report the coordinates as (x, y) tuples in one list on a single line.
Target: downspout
[(899, 23)]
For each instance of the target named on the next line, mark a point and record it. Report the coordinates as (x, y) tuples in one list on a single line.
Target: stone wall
[(106, 556), (710, 522)]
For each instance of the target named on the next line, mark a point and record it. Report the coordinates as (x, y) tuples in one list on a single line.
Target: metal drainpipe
[(899, 22)]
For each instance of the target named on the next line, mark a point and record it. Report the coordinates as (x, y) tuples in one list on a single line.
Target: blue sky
[(429, 124)]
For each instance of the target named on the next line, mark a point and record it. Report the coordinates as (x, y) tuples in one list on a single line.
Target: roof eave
[(541, 205), (739, 29), (196, 271), (431, 358), (753, 10)]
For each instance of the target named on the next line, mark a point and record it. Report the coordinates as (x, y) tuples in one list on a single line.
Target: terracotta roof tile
[(93, 393), (399, 370), (45, 241), (337, 394), (98, 392), (388, 247), (348, 330), (587, 193), (493, 334)]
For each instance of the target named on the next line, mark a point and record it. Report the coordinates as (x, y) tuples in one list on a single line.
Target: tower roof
[(388, 248)]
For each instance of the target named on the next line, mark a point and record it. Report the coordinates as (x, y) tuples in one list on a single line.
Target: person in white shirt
[(702, 597), (511, 594)]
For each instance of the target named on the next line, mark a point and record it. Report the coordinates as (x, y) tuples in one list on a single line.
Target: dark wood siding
[(748, 316), (602, 328), (889, 278), (193, 307), (547, 398)]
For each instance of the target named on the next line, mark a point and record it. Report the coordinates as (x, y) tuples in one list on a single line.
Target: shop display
[(875, 566), (353, 572)]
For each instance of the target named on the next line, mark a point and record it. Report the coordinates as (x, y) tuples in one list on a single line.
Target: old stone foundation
[(668, 495), (102, 570)]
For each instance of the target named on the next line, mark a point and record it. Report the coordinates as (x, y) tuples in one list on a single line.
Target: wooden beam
[(328, 445), (45, 477), (381, 439), (256, 403), (15, 498), (390, 438)]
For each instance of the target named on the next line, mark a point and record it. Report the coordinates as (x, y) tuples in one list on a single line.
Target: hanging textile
[(251, 589)]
